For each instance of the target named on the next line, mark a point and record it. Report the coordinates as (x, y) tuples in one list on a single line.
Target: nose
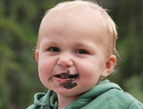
[(65, 60)]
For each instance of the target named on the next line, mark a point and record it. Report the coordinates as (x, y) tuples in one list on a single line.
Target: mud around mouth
[(69, 84)]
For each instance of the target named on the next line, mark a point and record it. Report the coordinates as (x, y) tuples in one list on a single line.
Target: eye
[(54, 49), (81, 51)]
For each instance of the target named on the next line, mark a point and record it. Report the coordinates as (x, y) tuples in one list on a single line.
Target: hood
[(88, 96), (50, 101), (45, 101)]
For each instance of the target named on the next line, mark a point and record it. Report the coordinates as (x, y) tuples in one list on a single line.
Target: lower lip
[(61, 80)]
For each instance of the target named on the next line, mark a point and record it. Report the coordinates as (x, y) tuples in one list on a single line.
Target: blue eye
[(81, 51), (53, 49)]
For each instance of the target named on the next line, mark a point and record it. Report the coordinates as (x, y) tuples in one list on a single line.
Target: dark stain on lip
[(70, 82)]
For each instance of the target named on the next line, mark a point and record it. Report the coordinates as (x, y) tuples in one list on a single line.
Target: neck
[(64, 101)]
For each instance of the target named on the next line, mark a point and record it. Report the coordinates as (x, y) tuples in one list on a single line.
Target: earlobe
[(109, 67), (37, 55)]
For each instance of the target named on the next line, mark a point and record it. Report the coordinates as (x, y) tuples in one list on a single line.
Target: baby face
[(71, 54)]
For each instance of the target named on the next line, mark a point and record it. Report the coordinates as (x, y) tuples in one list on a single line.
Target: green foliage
[(19, 23), (133, 86)]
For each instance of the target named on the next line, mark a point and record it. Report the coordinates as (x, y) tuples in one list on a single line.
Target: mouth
[(66, 79), (67, 76)]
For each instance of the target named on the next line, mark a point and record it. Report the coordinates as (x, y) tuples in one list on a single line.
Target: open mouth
[(70, 78), (67, 76)]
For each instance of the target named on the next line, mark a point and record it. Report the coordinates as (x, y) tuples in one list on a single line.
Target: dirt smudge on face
[(50, 79), (70, 78), (69, 84)]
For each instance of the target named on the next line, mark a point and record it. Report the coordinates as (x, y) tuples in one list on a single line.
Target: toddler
[(75, 51)]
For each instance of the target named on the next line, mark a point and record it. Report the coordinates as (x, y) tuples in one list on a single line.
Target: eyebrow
[(83, 44), (48, 42), (80, 44)]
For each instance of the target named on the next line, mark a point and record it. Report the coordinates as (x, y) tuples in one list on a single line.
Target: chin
[(66, 92)]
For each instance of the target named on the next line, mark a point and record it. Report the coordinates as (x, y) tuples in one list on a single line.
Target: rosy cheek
[(42, 69), (87, 69), (43, 74)]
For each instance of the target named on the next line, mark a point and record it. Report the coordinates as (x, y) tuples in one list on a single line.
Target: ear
[(37, 55), (109, 67)]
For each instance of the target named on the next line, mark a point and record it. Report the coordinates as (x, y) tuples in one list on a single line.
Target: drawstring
[(53, 101)]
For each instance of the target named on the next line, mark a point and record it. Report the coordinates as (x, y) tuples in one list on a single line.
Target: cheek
[(44, 69), (45, 65), (90, 70)]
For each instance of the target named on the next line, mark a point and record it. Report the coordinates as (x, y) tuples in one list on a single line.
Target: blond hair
[(85, 6)]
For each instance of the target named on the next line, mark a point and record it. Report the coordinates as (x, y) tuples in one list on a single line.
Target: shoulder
[(120, 100), (108, 95)]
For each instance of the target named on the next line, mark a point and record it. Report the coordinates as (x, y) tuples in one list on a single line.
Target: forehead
[(80, 23), (74, 26)]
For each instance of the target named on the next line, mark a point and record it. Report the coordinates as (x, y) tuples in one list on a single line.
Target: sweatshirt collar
[(84, 99)]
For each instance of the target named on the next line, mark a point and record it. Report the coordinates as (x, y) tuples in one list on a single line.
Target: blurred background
[(19, 23)]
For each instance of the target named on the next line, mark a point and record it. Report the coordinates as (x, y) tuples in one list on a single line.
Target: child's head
[(89, 10), (76, 46)]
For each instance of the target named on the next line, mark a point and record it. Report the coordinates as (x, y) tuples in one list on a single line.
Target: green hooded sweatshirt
[(106, 95)]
